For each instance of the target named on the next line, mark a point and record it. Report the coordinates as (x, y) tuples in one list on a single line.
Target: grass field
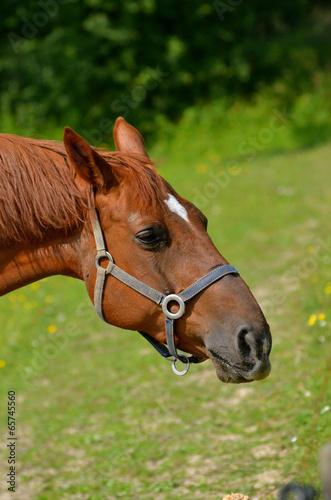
[(101, 416)]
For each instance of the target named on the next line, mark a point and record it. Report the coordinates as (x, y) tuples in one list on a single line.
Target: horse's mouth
[(230, 372)]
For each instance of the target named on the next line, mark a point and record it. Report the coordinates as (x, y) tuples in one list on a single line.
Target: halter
[(159, 298)]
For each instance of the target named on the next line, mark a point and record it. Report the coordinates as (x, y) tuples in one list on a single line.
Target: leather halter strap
[(158, 297)]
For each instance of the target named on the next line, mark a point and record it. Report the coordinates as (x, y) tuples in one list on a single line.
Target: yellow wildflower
[(235, 171), (201, 168), (321, 316), (327, 289), (2, 363), (51, 328), (312, 320), (35, 286)]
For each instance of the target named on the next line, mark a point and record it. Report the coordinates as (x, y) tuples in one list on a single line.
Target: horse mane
[(38, 193)]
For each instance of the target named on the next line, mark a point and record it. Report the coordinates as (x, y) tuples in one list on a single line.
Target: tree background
[(83, 63)]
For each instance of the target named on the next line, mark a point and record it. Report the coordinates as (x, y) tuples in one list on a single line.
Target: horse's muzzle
[(247, 361)]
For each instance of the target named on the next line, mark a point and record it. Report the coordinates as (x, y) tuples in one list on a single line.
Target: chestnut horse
[(63, 204)]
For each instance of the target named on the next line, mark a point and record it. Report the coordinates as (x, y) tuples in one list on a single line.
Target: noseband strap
[(159, 298)]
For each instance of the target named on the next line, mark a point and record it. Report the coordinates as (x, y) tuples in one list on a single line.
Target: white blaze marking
[(176, 207), (132, 216)]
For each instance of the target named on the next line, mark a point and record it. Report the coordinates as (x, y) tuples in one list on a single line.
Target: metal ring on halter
[(180, 302), (103, 256), (187, 365)]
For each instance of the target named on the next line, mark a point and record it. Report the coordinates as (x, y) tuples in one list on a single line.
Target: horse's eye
[(151, 237)]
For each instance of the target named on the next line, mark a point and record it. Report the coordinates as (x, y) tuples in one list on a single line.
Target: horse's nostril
[(244, 342), (253, 348)]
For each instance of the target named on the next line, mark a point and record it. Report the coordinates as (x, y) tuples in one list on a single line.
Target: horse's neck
[(19, 267)]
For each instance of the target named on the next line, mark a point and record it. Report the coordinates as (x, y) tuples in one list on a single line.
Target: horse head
[(159, 238)]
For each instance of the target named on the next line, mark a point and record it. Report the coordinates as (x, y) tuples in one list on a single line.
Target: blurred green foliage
[(85, 63)]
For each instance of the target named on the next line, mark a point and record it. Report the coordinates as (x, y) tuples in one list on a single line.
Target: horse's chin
[(228, 375)]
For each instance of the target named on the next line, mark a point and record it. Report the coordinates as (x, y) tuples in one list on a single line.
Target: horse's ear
[(127, 138), (88, 164)]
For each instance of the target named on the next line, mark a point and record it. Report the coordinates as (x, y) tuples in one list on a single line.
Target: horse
[(143, 251)]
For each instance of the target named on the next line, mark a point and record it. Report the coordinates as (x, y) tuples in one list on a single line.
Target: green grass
[(103, 417)]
